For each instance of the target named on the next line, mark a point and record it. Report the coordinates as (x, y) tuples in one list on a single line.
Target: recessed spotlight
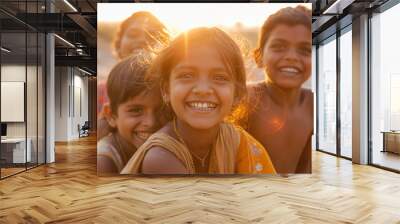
[(5, 50)]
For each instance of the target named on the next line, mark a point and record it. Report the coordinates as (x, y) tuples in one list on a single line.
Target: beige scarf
[(222, 160)]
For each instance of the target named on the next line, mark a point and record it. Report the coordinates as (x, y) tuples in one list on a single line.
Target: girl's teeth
[(289, 70), (143, 135), (202, 106)]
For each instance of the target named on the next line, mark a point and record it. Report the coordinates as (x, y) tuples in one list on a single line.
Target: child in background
[(282, 119), (141, 31), (202, 77), (133, 113)]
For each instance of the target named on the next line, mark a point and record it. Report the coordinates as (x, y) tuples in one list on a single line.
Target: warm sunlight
[(182, 16)]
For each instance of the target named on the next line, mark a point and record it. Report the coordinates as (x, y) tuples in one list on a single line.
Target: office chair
[(84, 130)]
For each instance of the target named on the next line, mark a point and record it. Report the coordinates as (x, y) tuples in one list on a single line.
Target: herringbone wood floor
[(69, 191)]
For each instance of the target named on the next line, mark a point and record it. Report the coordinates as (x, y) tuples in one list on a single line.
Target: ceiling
[(76, 25)]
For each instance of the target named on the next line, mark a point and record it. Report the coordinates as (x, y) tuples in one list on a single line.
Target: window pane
[(327, 97), (346, 94), (385, 86), (314, 89)]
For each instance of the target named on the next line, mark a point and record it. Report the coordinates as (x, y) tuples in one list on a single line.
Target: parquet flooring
[(387, 159), (9, 171), (70, 191)]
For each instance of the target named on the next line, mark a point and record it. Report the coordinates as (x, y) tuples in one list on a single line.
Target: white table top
[(13, 140)]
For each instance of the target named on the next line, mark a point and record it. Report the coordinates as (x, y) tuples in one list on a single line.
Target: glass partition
[(41, 86), (13, 96), (31, 97), (22, 90)]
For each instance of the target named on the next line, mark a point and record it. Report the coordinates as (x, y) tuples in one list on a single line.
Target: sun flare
[(179, 17)]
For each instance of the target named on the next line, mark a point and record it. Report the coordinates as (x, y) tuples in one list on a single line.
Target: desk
[(13, 150), (391, 141)]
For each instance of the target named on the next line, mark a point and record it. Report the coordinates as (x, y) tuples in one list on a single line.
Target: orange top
[(252, 157), (235, 152)]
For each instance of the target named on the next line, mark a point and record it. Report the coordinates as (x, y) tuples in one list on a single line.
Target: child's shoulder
[(166, 130), (307, 98), (108, 160), (159, 160), (306, 92), (161, 157), (105, 145)]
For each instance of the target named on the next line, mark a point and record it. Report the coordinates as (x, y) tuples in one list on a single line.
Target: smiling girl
[(202, 78), (133, 113)]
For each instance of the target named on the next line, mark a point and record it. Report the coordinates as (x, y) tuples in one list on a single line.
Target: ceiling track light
[(84, 71), (65, 41), (70, 5), (337, 7), (5, 50)]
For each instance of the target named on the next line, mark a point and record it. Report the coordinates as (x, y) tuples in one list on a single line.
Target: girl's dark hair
[(158, 32), (226, 47), (299, 15), (127, 79)]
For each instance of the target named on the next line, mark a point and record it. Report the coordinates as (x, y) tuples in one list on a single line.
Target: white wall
[(80, 102), (71, 94), (62, 81), (16, 73), (11, 73)]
